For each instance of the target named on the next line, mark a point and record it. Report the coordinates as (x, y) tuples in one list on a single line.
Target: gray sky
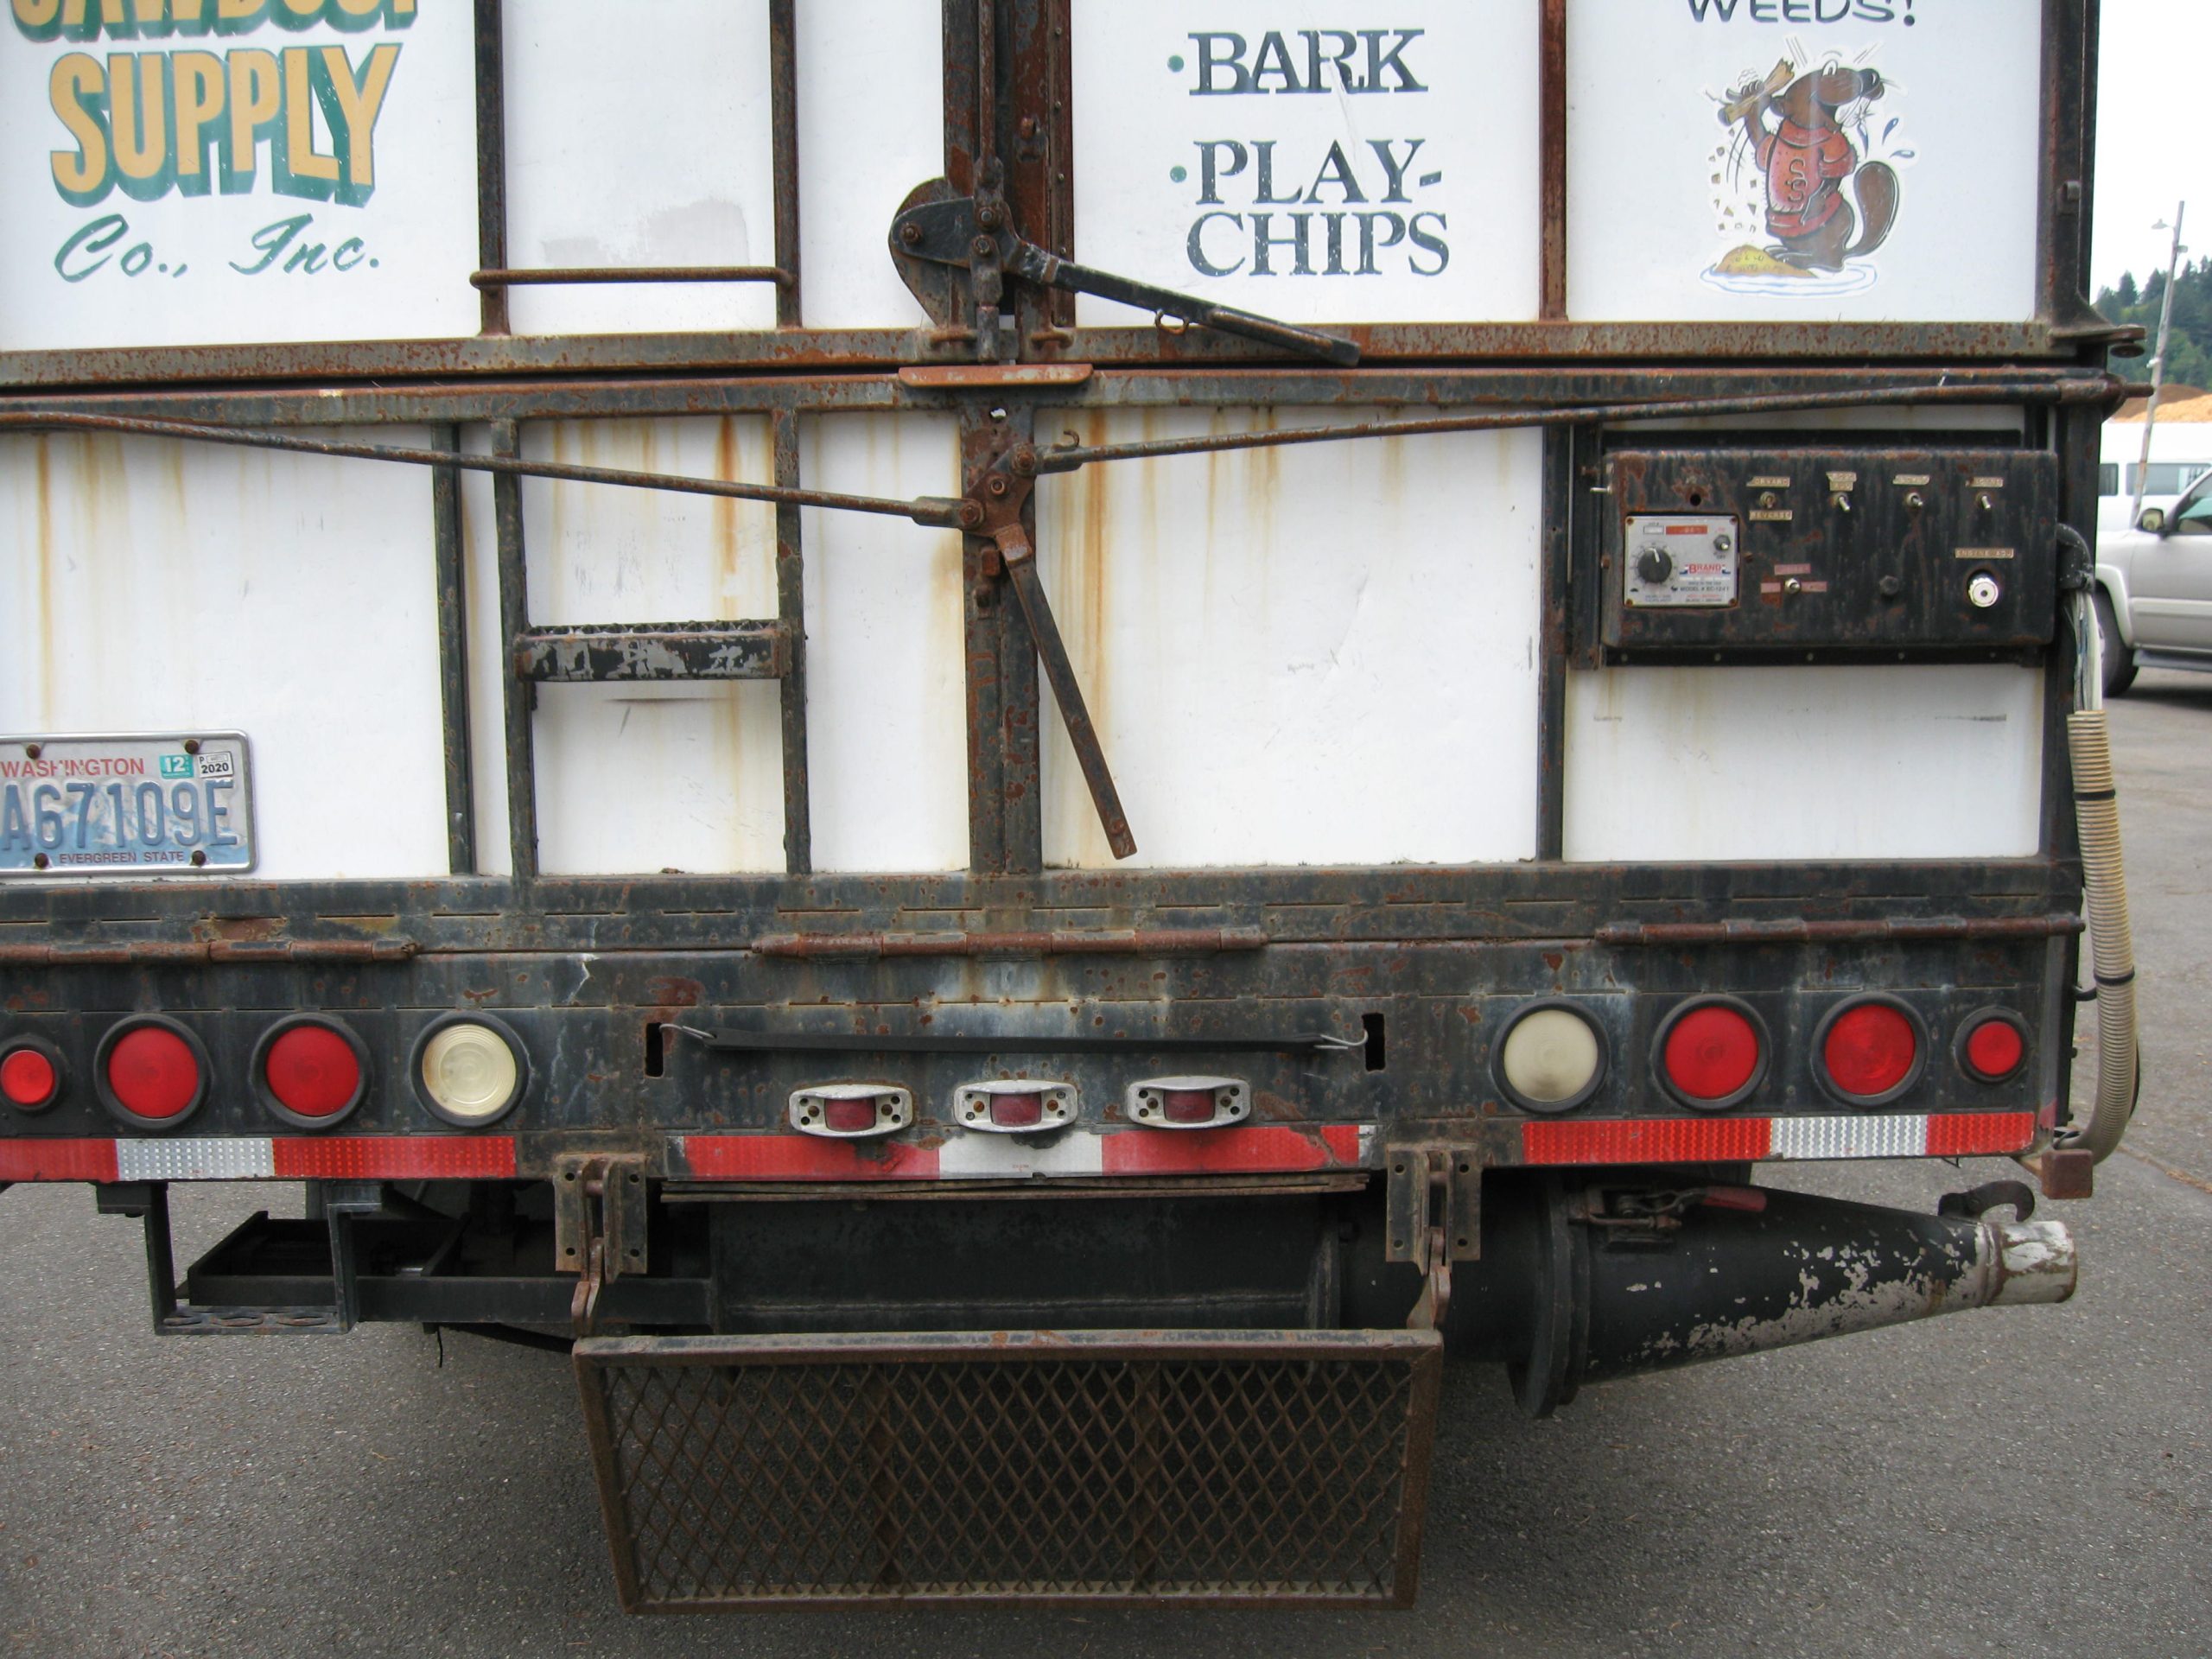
[(2154, 134)]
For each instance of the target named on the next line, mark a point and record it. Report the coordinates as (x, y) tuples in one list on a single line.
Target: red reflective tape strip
[(395, 1158), (1248, 1149), (57, 1161), (1648, 1140), (805, 1158), (1960, 1134)]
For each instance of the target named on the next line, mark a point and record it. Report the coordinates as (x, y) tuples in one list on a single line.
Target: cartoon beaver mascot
[(1806, 156)]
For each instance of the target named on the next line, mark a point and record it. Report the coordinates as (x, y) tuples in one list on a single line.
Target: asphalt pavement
[(2020, 1481)]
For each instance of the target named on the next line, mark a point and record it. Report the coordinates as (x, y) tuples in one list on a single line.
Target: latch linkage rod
[(941, 512), (1065, 458), (937, 513)]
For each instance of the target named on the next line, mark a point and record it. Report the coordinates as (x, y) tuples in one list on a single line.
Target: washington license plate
[(128, 805)]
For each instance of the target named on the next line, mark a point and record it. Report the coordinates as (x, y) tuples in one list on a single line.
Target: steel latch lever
[(1021, 558), (959, 232)]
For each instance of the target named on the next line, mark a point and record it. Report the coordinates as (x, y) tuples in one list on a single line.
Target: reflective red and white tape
[(1246, 1150), (1753, 1140), (262, 1158)]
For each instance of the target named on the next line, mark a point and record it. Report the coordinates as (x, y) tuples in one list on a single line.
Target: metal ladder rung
[(656, 651)]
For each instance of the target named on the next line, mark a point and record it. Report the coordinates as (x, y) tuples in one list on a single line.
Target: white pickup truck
[(2154, 590)]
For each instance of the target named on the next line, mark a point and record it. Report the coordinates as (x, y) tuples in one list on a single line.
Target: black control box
[(1699, 554)]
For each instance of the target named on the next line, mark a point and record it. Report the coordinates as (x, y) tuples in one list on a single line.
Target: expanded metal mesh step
[(1101, 1466)]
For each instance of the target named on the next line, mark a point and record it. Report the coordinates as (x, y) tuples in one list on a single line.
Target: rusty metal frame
[(1032, 59), (1005, 904), (1005, 816)]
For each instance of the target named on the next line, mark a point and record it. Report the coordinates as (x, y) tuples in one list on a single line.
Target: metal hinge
[(1433, 1215), (599, 1225)]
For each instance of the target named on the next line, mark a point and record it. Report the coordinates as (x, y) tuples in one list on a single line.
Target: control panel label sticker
[(1675, 562)]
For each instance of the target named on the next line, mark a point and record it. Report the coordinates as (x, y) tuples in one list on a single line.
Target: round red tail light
[(310, 1071), (1869, 1051), (151, 1072), (1712, 1054), (1993, 1048), (30, 1077)]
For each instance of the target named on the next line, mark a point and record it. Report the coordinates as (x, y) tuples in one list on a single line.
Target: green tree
[(2188, 352)]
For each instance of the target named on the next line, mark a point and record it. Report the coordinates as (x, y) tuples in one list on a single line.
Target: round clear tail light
[(1992, 1045), (1870, 1051), (31, 1074), (469, 1069), (151, 1072), (1551, 1059), (310, 1071), (1712, 1053)]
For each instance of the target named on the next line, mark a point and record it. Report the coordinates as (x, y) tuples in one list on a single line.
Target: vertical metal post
[(519, 696), (1555, 562), (2075, 433), (1038, 151), (2070, 98), (161, 1254), (791, 608), (1005, 804), (1551, 94), (2158, 366), (783, 105), (491, 158), (988, 176), (961, 140), (450, 554)]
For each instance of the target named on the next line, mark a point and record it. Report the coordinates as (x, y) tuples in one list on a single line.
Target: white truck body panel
[(1889, 761), (151, 586)]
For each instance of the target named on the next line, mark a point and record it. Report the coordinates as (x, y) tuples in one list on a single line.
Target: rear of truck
[(1012, 751)]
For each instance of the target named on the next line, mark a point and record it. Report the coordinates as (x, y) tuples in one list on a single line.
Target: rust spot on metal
[(1798, 930), (144, 953), (1132, 942), (962, 375), (240, 929), (669, 991)]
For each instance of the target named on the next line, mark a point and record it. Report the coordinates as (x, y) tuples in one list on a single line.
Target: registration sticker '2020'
[(134, 806)]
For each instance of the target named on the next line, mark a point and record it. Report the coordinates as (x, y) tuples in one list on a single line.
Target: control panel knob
[(1654, 565), (1982, 591)]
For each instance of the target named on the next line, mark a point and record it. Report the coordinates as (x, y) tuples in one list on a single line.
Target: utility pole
[(2158, 363)]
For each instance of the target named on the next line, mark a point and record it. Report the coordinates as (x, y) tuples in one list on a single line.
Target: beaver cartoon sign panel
[(1816, 161)]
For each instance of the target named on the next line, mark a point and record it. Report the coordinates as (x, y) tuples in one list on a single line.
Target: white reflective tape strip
[(1078, 1152), (221, 1160), (1370, 1156), (1901, 1135)]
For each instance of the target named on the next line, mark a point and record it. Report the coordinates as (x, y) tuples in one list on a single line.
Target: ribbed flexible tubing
[(2112, 943)]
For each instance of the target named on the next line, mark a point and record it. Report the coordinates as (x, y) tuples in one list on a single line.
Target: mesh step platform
[(1222, 1468)]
